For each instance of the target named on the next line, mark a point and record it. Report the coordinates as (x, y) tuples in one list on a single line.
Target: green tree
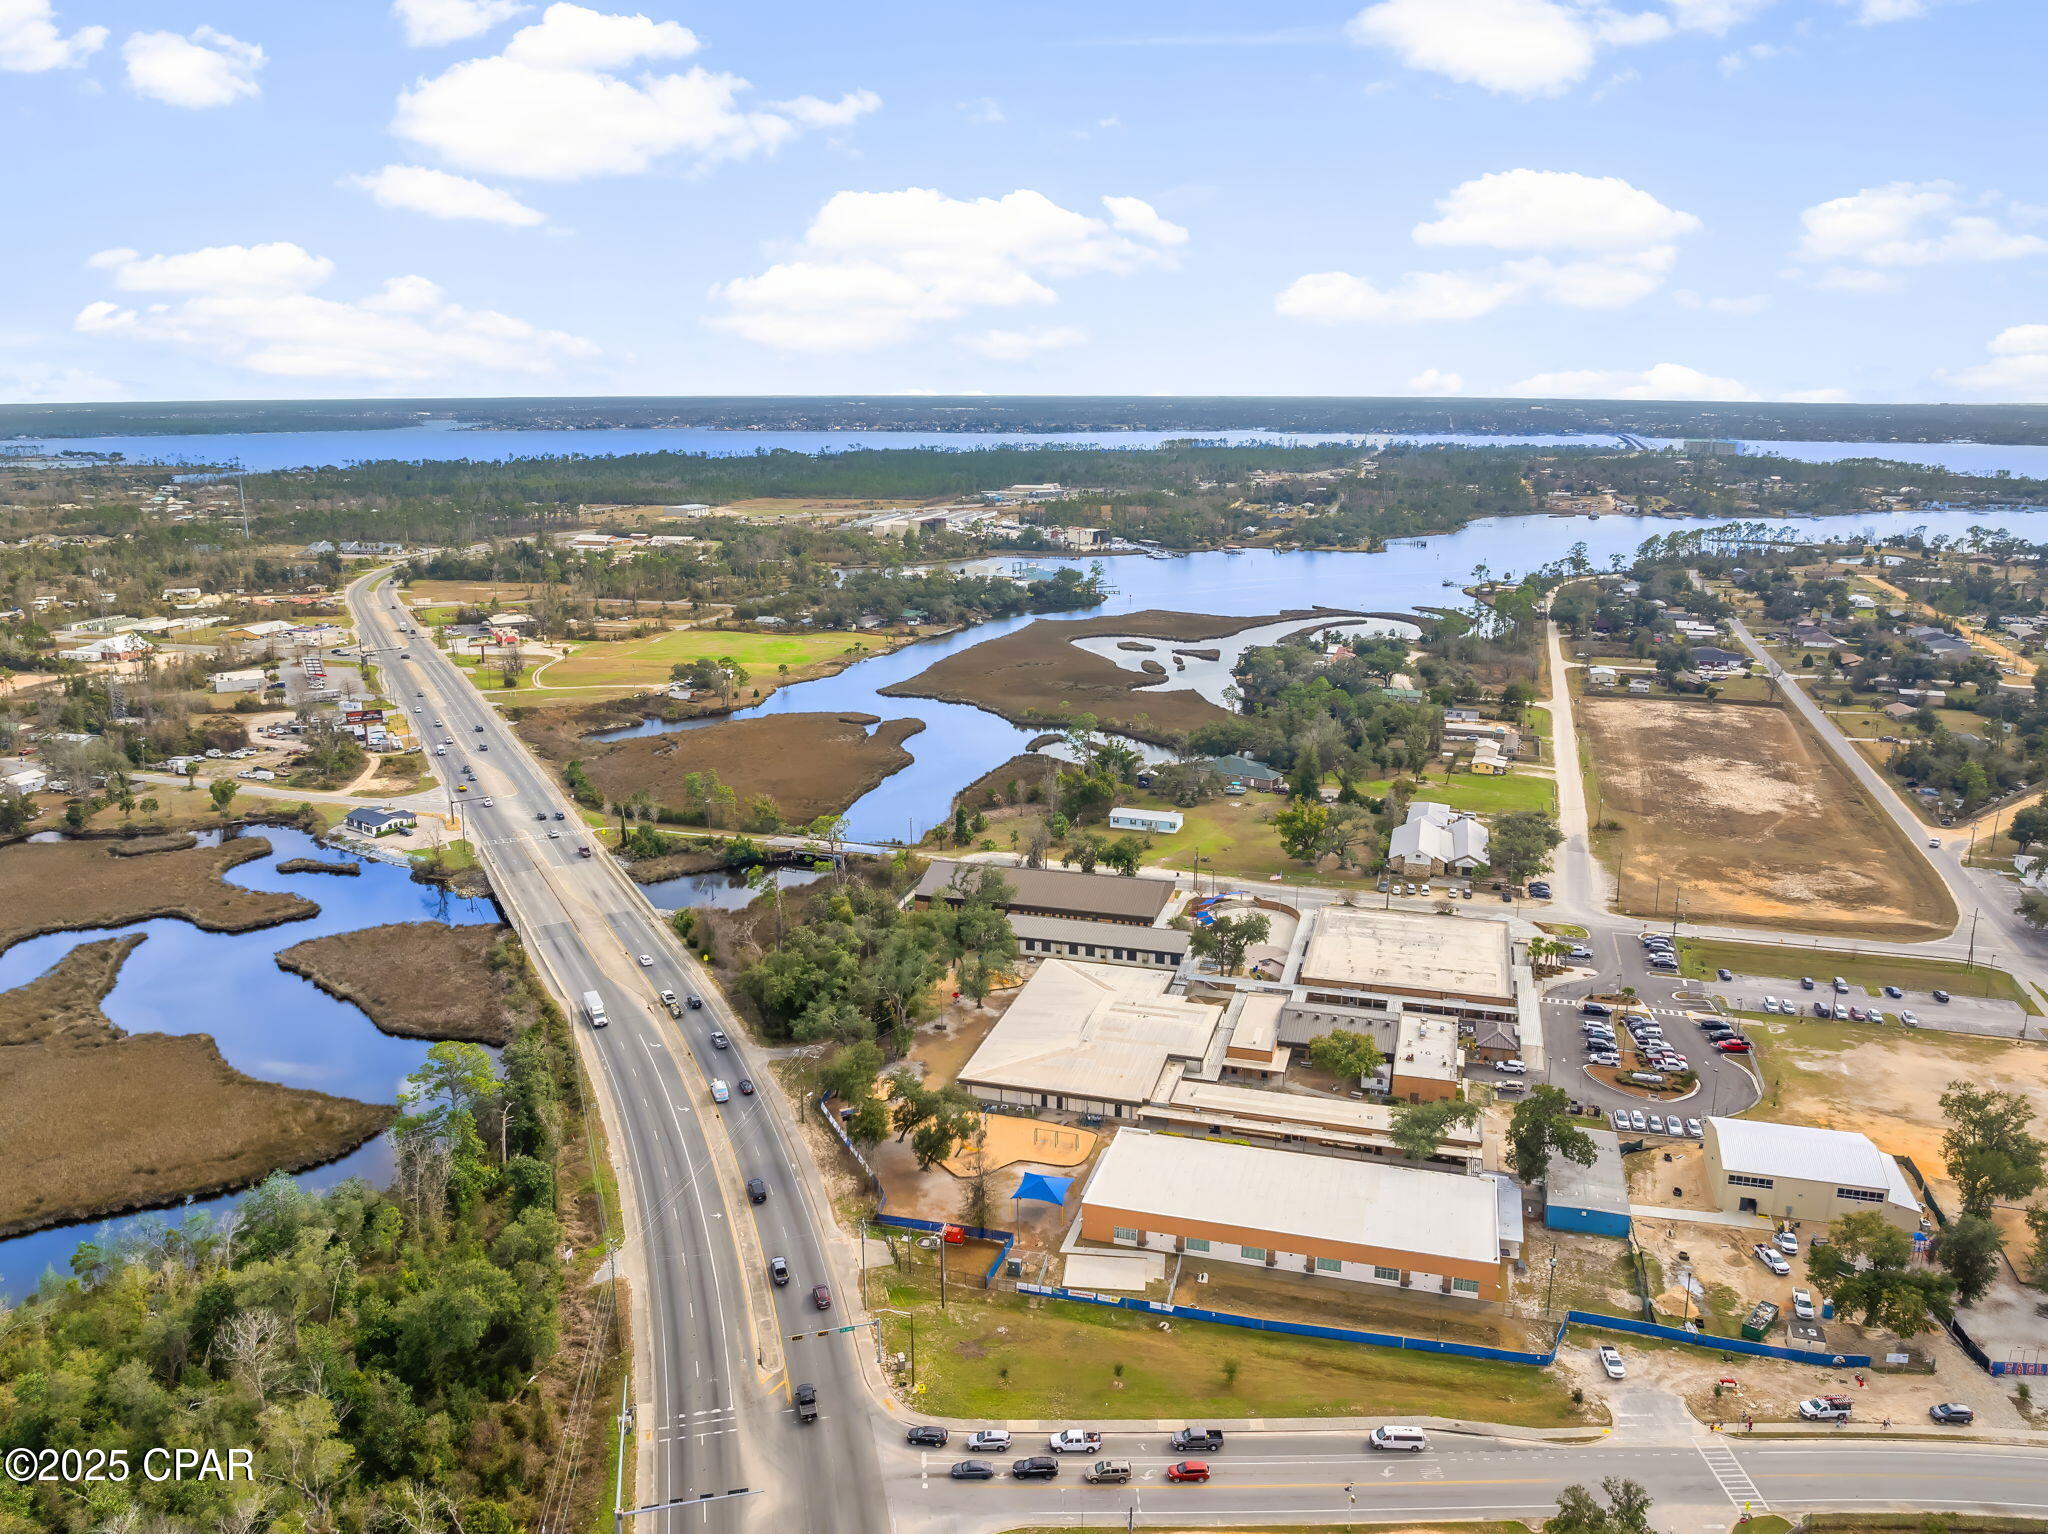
[(1125, 854), (1990, 1154), (1865, 1269), (2033, 909), (1968, 1252), (1345, 1054), (870, 1122), (1542, 1123), (1419, 1128), (222, 792), (1227, 937), (2029, 827), (1302, 826), (1627, 1510), (851, 1071), (1521, 843)]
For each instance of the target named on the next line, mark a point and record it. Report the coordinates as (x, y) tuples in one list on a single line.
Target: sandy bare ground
[(94, 1121), (1736, 808)]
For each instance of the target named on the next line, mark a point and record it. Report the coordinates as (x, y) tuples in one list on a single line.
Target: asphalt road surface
[(711, 1410), (713, 1359)]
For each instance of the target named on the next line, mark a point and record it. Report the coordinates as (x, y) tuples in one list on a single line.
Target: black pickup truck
[(807, 1403)]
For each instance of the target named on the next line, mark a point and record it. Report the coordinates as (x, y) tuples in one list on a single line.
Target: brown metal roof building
[(1056, 892)]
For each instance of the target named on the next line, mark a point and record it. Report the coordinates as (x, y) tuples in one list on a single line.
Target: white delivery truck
[(593, 1008)]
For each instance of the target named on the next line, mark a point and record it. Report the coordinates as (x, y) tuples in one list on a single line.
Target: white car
[(1802, 1304), (1075, 1440), (1696, 1129), (1656, 1123), (1619, 1118), (1636, 1119), (1511, 1067), (490, 804), (647, 961), (989, 1440), (1772, 1259), (1786, 1242), (1610, 1362)]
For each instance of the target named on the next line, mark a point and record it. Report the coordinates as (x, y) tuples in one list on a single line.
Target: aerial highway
[(717, 1348), (711, 1416)]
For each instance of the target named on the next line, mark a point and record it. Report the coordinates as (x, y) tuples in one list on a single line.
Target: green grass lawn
[(1061, 1359), (646, 662), (1477, 792), (1699, 958)]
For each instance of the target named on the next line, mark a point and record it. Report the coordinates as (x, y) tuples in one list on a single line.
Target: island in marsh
[(72, 886), (97, 1122), (1039, 675), (808, 764), (422, 979)]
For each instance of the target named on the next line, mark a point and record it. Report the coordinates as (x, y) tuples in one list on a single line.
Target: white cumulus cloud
[(875, 268), (1872, 13), (1863, 240), (204, 68), (431, 23), (1593, 242), (2018, 369), (1666, 380), (441, 194), (1436, 381), (30, 40), (1553, 210), (1016, 345), (556, 103), (254, 307)]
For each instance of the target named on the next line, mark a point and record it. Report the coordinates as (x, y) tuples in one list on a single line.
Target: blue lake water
[(447, 439), (267, 1023), (960, 742)]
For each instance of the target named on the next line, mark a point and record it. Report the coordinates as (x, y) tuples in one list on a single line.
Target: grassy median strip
[(1700, 957), (998, 1356)]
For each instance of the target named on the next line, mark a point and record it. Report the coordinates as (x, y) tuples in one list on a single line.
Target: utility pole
[(1971, 961), (942, 1270)]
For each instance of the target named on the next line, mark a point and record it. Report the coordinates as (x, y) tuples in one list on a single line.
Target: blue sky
[(1836, 199)]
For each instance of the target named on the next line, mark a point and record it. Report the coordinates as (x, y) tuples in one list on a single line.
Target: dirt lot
[(1887, 1082), (1734, 805), (71, 886), (809, 764), (1037, 676), (83, 1131), (419, 980)]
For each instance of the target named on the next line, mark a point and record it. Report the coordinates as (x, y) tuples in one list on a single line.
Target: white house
[(112, 647), (238, 681), (1162, 822), (1437, 839)]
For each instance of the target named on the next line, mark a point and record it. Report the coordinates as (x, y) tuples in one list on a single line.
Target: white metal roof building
[(1322, 1215), (1089, 1038), (1795, 1172), (1436, 837)]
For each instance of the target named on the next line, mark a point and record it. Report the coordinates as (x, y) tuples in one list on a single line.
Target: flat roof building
[(1355, 1221), (1056, 892), (1793, 1172), (1426, 1064), (1427, 957), (1159, 822), (1592, 1199)]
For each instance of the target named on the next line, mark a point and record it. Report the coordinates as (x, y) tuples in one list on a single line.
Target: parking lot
[(1959, 1014), (1618, 960)]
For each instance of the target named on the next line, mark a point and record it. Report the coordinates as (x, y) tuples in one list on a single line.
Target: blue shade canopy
[(1047, 1190)]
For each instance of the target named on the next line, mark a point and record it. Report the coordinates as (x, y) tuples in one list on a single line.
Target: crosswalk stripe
[(1733, 1479)]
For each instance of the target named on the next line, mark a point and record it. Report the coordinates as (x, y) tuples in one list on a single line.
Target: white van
[(1410, 1438)]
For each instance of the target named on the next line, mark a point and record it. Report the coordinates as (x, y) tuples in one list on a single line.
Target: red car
[(1732, 1046), (1188, 1470), (821, 1297)]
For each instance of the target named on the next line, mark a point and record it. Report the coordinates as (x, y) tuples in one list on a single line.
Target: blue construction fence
[(1718, 1344), (1004, 1239), (1299, 1328)]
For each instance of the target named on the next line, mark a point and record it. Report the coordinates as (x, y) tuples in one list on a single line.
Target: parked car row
[(1627, 1119), (1113, 1471)]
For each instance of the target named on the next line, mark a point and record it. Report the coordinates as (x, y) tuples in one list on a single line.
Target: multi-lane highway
[(712, 1425), (711, 1412)]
